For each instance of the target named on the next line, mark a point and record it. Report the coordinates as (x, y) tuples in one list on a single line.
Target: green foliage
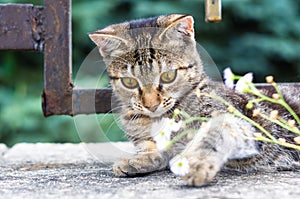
[(22, 120), (261, 36), (266, 37)]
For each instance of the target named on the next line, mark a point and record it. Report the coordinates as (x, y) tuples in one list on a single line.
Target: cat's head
[(152, 63)]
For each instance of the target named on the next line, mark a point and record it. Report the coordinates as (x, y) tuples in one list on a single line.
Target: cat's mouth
[(150, 112), (163, 113), (156, 112)]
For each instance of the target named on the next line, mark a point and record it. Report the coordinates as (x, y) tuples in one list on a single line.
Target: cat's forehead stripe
[(186, 67), (131, 69), (143, 23)]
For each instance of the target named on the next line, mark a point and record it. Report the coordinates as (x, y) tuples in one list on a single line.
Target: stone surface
[(84, 171), (3, 149), (67, 153)]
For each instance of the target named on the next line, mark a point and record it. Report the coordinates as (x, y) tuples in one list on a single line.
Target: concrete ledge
[(67, 153), (3, 149), (84, 171)]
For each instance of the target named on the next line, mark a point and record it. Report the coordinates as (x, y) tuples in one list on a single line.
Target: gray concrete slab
[(84, 171)]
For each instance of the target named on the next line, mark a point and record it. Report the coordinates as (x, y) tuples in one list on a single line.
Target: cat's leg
[(223, 138), (148, 159)]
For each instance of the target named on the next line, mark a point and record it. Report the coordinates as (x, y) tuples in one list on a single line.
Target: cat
[(154, 68)]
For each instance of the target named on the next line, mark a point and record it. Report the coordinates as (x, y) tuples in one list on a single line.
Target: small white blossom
[(228, 78), (165, 127), (161, 143), (242, 85), (174, 126), (161, 131), (161, 134), (162, 139), (179, 165)]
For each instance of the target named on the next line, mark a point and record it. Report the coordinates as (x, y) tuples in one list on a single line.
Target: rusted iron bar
[(89, 101), (58, 87), (21, 27)]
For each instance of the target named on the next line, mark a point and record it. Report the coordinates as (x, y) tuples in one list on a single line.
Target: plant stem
[(274, 84), (284, 104), (179, 137), (280, 123), (258, 126), (239, 114), (291, 111), (253, 90), (285, 144)]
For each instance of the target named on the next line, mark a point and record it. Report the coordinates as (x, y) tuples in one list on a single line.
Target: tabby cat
[(154, 67)]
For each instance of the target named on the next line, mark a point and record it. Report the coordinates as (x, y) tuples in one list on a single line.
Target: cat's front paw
[(201, 172), (139, 164), (121, 168)]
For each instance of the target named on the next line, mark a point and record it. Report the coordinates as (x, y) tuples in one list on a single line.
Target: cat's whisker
[(117, 109)]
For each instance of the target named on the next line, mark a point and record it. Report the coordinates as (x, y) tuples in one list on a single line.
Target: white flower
[(161, 143), (162, 139), (161, 131), (242, 85), (179, 165), (165, 127), (173, 125), (228, 78)]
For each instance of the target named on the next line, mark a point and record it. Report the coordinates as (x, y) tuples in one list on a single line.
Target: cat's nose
[(151, 99), (152, 108)]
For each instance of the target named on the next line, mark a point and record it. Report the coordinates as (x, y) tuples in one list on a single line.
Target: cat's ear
[(107, 41), (182, 25)]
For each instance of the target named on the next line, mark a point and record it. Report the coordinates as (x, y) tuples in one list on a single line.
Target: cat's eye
[(168, 77), (129, 82)]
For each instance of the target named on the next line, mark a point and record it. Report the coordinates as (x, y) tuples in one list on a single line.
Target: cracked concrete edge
[(3, 149)]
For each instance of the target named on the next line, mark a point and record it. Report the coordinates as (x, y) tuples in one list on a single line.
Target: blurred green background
[(262, 36)]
